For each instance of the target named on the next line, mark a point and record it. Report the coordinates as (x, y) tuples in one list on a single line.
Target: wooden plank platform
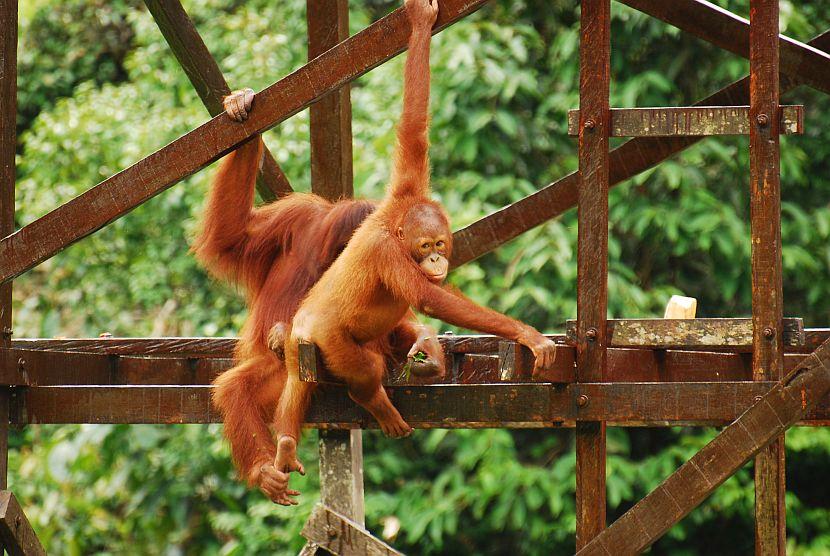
[(689, 121), (469, 360)]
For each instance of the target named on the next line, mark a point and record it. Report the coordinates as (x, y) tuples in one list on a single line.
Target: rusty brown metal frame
[(548, 404)]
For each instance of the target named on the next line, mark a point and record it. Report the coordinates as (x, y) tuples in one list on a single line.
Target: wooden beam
[(206, 77), (627, 160), (592, 256), (689, 121), (331, 117), (767, 285), (124, 191), (713, 333), (428, 406), (728, 31), (341, 452), (341, 536), (16, 533), (223, 347), (768, 417), (479, 361), (8, 146)]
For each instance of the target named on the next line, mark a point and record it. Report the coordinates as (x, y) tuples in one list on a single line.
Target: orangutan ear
[(400, 233)]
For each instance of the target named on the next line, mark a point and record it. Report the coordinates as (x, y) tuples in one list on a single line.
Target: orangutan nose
[(434, 258)]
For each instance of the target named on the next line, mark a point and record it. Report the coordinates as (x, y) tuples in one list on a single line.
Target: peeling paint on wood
[(703, 333), (689, 121)]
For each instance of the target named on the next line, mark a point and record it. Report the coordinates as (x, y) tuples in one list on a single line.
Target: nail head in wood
[(591, 334), (582, 400), (763, 120)]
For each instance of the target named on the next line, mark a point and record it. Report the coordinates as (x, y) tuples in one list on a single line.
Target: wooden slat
[(181, 346), (728, 31), (767, 288), (122, 192), (689, 333), (223, 347), (689, 121), (627, 160), (516, 361), (55, 368), (427, 406), (8, 145), (206, 77), (592, 256), (694, 481), (16, 533), (342, 536)]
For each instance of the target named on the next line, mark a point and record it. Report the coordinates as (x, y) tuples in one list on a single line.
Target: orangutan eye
[(439, 244), (425, 246)]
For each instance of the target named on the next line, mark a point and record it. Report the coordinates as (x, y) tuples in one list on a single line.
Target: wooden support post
[(592, 255), (331, 117), (8, 143), (341, 473), (767, 293), (768, 418), (341, 452)]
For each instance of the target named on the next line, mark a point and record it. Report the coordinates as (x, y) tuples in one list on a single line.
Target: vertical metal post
[(767, 293), (8, 143), (592, 255), (341, 452)]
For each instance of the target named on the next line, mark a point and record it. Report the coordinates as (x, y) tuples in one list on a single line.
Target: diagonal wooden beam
[(121, 193), (773, 413), (341, 536), (206, 77), (627, 160), (731, 32), (16, 533)]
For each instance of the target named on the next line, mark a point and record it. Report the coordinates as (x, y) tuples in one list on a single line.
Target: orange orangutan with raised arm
[(396, 260), (276, 253)]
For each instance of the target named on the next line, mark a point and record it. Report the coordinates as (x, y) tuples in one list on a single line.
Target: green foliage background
[(99, 90)]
